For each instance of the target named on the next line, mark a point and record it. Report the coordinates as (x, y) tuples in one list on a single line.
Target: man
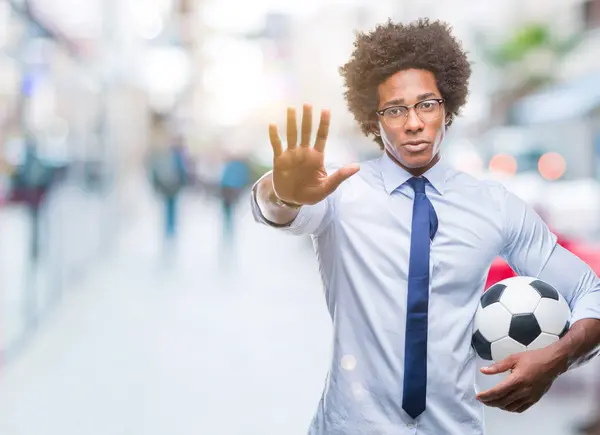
[(404, 243), (32, 182), (234, 178), (168, 171)]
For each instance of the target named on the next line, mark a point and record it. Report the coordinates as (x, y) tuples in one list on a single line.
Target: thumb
[(499, 367), (341, 175)]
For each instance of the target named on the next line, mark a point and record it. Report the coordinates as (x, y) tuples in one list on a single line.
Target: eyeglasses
[(427, 111)]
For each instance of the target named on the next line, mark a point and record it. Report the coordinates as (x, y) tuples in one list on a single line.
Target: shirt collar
[(395, 176)]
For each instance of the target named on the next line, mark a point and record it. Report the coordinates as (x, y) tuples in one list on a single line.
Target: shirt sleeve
[(311, 219), (528, 242), (531, 250), (580, 286), (576, 281)]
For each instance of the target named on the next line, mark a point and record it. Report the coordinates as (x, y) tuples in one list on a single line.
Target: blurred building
[(79, 82)]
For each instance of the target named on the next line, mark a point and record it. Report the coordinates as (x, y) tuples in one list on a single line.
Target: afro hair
[(391, 48)]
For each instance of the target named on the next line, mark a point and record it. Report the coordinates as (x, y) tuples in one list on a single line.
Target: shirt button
[(410, 426)]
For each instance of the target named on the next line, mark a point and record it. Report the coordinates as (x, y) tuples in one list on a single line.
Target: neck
[(416, 172)]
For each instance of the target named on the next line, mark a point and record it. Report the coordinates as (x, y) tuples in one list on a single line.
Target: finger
[(306, 125), (500, 367), (517, 396), (323, 131), (499, 391), (292, 128), (523, 407), (503, 402), (275, 141), (341, 175), (517, 404)]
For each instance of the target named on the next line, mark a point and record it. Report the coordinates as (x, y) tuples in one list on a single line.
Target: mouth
[(416, 146)]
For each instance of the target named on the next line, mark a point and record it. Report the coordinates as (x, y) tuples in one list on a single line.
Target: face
[(414, 145)]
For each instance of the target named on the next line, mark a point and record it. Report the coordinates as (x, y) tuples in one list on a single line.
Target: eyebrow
[(400, 101)]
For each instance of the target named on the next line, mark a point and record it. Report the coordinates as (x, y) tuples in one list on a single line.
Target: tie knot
[(418, 184)]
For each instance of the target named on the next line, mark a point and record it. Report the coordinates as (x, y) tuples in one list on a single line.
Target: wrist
[(280, 202), (283, 204), (560, 356)]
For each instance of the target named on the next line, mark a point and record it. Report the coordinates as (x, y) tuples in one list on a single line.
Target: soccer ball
[(518, 314)]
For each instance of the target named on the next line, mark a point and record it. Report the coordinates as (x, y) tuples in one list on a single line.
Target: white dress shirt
[(361, 236)]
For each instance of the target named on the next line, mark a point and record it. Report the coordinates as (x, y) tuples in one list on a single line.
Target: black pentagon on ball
[(524, 328), (482, 346), (544, 289), (565, 330), (492, 295)]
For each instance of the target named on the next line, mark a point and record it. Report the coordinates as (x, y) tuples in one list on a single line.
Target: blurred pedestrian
[(31, 183), (169, 174), (235, 177)]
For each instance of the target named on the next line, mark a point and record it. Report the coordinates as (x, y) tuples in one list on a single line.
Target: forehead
[(407, 85)]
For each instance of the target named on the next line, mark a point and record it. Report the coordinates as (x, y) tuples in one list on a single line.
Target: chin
[(415, 162), (412, 160)]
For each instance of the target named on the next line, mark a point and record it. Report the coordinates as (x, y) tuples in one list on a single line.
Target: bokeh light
[(552, 166), (503, 163)]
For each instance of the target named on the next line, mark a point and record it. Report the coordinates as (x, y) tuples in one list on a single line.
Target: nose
[(413, 122)]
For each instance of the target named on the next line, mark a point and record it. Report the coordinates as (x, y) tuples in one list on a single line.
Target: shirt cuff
[(307, 220)]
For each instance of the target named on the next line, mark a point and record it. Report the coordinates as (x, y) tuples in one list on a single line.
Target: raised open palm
[(299, 174)]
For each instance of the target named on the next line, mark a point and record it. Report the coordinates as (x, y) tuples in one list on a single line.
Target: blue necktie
[(424, 227)]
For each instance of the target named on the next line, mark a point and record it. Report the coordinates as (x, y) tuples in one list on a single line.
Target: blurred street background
[(137, 295)]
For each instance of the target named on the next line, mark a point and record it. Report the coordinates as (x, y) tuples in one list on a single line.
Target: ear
[(374, 128), (449, 119)]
